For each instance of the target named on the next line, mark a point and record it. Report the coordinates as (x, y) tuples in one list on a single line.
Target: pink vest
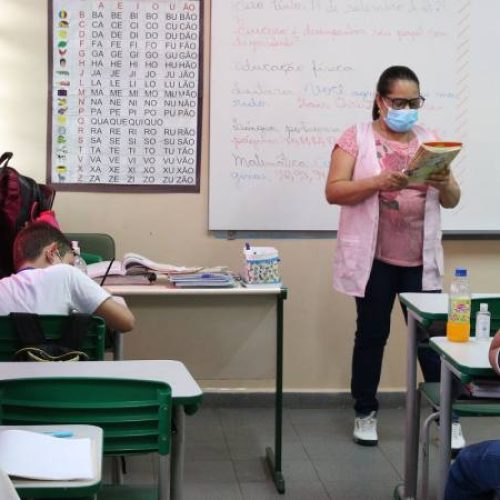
[(358, 226)]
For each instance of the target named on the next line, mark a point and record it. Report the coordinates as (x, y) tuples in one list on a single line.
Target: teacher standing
[(389, 237)]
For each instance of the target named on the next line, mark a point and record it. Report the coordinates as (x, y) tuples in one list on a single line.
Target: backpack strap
[(28, 328), (74, 329), (6, 157)]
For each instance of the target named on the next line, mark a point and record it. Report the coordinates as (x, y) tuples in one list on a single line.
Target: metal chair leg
[(116, 470), (164, 478), (425, 443)]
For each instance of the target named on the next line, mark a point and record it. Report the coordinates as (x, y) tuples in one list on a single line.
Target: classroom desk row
[(185, 391), (470, 358)]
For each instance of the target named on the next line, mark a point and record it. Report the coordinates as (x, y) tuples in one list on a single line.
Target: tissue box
[(261, 266)]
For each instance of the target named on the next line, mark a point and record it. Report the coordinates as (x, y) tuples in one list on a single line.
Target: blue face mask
[(401, 120)]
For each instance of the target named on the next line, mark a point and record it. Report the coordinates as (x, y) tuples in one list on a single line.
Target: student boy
[(46, 283), (475, 474)]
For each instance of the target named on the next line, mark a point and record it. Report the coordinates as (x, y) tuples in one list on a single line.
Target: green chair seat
[(463, 408)]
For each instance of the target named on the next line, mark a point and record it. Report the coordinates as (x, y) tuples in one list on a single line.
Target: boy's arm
[(117, 316)]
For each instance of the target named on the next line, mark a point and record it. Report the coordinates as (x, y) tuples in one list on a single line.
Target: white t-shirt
[(57, 289)]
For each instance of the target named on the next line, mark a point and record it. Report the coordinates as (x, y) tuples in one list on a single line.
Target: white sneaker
[(457, 437), (365, 430)]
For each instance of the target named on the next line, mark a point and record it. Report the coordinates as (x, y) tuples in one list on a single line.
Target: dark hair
[(31, 240), (386, 80)]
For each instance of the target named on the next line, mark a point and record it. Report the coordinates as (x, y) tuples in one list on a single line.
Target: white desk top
[(162, 289), (173, 373), (434, 305), (469, 355), (79, 431)]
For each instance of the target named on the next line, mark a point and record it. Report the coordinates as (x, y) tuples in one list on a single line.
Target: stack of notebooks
[(202, 280), (484, 388)]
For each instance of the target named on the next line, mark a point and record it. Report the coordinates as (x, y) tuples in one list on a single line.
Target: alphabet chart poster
[(124, 95)]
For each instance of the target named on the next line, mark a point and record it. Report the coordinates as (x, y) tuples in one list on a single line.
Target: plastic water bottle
[(483, 320), (78, 262), (458, 326)]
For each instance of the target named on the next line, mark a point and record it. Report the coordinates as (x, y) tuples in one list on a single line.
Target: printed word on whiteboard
[(125, 95)]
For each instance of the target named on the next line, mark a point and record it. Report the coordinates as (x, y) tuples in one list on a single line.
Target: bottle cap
[(460, 272), (483, 307), (75, 247)]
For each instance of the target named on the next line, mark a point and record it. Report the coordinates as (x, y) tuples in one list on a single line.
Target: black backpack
[(21, 200), (35, 347)]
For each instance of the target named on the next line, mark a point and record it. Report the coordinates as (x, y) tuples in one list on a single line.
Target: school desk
[(33, 488), (464, 360), (273, 458), (186, 394), (423, 308)]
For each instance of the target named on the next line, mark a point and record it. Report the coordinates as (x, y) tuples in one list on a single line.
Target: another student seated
[(47, 283), (475, 474)]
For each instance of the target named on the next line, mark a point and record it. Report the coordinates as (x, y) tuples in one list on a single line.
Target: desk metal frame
[(273, 457)]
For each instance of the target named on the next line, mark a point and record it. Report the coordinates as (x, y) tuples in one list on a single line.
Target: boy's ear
[(50, 253)]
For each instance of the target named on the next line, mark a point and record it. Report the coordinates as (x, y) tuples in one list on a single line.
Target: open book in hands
[(135, 264), (431, 157)]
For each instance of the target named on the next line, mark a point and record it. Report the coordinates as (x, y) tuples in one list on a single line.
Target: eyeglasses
[(401, 103)]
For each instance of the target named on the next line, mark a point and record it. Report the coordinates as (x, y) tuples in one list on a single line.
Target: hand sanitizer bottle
[(483, 320), (79, 263)]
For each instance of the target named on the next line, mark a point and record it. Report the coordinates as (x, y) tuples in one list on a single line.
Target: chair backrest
[(493, 307), (135, 415), (93, 344), (95, 243)]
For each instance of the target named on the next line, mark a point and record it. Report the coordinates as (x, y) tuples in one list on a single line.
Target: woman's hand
[(440, 180), (445, 183), (391, 181)]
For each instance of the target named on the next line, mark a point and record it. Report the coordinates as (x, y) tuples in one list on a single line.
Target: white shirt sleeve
[(85, 295)]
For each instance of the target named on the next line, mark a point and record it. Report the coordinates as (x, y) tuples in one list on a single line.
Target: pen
[(107, 272), (60, 434)]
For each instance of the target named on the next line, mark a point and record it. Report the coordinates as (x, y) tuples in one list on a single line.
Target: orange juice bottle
[(458, 325)]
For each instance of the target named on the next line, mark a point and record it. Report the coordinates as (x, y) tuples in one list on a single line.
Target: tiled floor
[(225, 448)]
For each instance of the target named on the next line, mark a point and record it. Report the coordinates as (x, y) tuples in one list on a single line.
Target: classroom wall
[(234, 350)]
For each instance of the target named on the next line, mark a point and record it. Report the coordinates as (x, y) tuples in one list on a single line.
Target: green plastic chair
[(464, 408), (93, 344), (135, 416)]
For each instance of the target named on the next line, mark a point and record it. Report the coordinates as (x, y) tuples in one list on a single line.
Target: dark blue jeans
[(373, 326), (475, 474)]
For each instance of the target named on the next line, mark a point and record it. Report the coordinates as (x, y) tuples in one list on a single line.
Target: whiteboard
[(288, 76)]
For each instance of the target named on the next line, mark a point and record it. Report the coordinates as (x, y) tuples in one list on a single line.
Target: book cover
[(431, 157)]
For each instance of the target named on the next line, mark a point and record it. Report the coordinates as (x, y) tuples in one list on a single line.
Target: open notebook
[(35, 455)]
